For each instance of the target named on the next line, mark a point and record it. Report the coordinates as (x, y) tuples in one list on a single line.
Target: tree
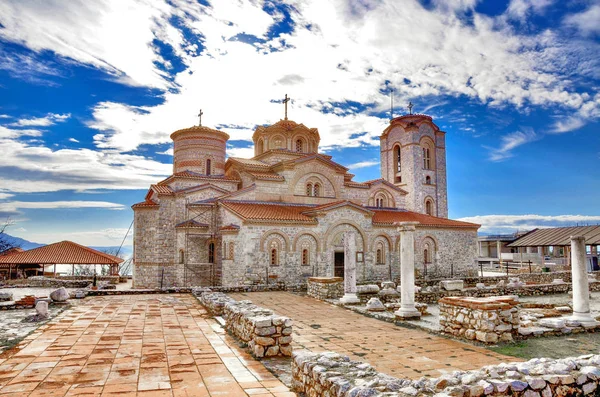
[(6, 242)]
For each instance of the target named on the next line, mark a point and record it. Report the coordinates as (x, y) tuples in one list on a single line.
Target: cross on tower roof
[(200, 118), (410, 106), (285, 102)]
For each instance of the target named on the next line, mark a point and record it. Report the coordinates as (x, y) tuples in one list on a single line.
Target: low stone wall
[(90, 279), (487, 320), (46, 282), (530, 278), (265, 333), (331, 374), (325, 287)]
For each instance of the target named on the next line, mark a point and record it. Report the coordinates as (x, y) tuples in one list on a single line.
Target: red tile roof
[(146, 204), (387, 217), (194, 175), (270, 212), (162, 189), (230, 228), (192, 224), (64, 252), (12, 251), (266, 176)]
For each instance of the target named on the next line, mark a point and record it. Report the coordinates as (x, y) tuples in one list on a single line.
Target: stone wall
[(265, 333), (325, 287), (331, 374), (487, 320), (45, 282), (110, 279)]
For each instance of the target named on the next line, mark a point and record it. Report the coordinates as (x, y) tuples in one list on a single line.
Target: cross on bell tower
[(285, 102), (200, 118), (410, 107)]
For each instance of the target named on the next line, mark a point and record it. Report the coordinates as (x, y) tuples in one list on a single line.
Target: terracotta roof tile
[(192, 224), (145, 204), (267, 176), (195, 175), (250, 162), (390, 216), (64, 252), (268, 211), (162, 189), (12, 251), (230, 228)]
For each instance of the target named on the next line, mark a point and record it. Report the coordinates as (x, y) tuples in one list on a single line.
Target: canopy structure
[(558, 236), (61, 253)]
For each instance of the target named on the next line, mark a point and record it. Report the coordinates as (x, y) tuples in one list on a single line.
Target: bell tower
[(413, 157)]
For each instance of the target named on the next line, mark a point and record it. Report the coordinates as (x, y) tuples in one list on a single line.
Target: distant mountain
[(125, 252), (22, 243)]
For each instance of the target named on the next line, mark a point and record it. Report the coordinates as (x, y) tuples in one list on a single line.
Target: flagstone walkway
[(397, 351), (136, 345)]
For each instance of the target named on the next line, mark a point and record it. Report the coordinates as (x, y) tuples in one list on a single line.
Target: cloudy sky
[(90, 91)]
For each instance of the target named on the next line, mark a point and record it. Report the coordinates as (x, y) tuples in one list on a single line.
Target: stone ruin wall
[(488, 320), (265, 333), (331, 374)]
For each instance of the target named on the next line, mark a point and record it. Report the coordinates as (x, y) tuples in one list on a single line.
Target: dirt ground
[(553, 347)]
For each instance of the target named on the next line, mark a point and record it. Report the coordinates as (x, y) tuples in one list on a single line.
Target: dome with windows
[(286, 135), (199, 149)]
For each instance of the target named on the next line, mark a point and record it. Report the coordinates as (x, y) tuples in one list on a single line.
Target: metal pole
[(529, 262), (507, 268), (452, 270), (162, 276), (481, 267)]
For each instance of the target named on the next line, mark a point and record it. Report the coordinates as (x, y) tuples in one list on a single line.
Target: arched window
[(274, 252), (231, 250), (299, 145), (260, 146), (317, 190), (426, 158), (208, 167), (309, 189), (305, 257), (211, 253), (429, 207), (181, 256), (380, 201), (398, 158), (428, 180), (426, 255)]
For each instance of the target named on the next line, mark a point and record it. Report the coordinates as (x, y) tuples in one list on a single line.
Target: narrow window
[(299, 145), (428, 180), (231, 250), (426, 158), (317, 190), (211, 253), (305, 256), (181, 256), (309, 189), (208, 167), (426, 258), (379, 256), (398, 159), (274, 256), (429, 207)]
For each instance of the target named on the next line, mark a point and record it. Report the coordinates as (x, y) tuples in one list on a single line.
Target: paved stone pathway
[(136, 345), (397, 351)]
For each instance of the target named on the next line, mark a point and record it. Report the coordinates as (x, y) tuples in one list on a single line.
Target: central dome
[(286, 135)]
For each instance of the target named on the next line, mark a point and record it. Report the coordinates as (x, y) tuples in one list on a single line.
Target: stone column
[(499, 250), (349, 269), (594, 250), (581, 290), (407, 272), (541, 252), (529, 250)]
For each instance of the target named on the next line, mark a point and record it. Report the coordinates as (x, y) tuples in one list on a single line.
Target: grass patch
[(552, 347)]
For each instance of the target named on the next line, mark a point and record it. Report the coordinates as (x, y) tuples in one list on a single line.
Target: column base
[(407, 314), (583, 318), (349, 299)]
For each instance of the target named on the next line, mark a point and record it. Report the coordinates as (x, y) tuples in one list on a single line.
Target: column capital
[(406, 226), (577, 238)]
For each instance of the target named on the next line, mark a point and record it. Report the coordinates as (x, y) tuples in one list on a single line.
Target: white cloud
[(11, 133), (510, 142), (48, 120), (363, 164), (520, 9), (511, 223), (41, 169), (14, 206), (73, 140), (5, 195), (168, 152), (103, 237), (587, 22), (567, 124), (243, 152), (113, 35)]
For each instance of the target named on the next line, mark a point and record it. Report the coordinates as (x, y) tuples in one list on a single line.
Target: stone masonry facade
[(280, 216)]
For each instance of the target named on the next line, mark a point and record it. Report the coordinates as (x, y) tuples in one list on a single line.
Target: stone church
[(280, 215)]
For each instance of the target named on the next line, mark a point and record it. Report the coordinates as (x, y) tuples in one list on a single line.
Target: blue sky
[(90, 92)]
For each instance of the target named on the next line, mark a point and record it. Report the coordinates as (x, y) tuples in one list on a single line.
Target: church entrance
[(338, 264)]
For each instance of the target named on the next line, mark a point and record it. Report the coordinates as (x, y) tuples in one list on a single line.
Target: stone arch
[(277, 141), (430, 243), (260, 146), (343, 225), (383, 236), (382, 193), (428, 153), (274, 233), (307, 246), (381, 246), (305, 143), (304, 234), (298, 185), (429, 206)]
